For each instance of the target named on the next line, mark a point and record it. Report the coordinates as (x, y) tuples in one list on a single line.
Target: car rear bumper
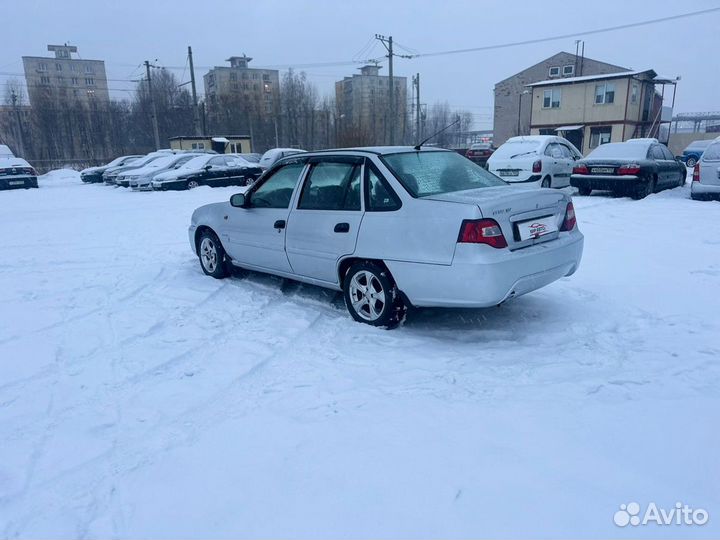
[(597, 181), (18, 182), (698, 188), (91, 178), (481, 276), (522, 178)]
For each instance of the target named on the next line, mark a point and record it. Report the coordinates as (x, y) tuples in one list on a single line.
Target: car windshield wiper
[(522, 154)]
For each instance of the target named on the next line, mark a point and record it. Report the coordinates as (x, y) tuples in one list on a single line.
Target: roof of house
[(585, 78), (561, 53)]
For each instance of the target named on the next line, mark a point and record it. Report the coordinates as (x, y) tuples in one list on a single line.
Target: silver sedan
[(393, 227)]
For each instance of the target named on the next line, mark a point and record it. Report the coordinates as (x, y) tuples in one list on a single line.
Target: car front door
[(555, 155), (255, 236), (216, 171), (324, 225)]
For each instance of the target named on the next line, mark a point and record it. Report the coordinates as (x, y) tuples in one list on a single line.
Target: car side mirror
[(239, 201), (207, 167)]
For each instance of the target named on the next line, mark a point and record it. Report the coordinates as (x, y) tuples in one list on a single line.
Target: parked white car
[(392, 227), (706, 174), (269, 158), (539, 160)]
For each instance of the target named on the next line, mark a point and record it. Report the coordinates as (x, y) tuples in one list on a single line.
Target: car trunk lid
[(527, 216)]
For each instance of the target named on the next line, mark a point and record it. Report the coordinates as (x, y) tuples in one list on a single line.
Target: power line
[(570, 35)]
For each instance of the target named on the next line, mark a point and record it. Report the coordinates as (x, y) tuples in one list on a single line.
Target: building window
[(551, 99), (254, 76), (75, 81), (233, 76), (42, 66), (634, 93), (91, 94), (600, 135), (58, 67), (45, 80), (235, 86), (268, 89), (90, 81), (266, 77), (73, 67), (198, 146), (604, 93), (88, 69), (568, 70), (554, 71), (245, 76)]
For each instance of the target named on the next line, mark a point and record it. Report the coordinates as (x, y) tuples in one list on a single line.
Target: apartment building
[(256, 90), (363, 102), (66, 77)]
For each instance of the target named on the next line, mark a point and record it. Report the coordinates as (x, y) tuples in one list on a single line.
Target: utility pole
[(21, 137), (196, 113), (416, 82), (388, 43), (152, 104)]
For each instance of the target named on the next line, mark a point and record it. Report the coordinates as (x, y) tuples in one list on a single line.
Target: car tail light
[(482, 231), (537, 166), (569, 222), (580, 169), (631, 168), (696, 173)]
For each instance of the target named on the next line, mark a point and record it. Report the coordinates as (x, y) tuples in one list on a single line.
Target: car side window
[(657, 153), (277, 190), (331, 186), (379, 196), (217, 161), (668, 153), (567, 153)]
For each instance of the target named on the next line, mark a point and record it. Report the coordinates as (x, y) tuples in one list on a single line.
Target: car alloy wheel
[(367, 295), (691, 161), (192, 184), (371, 295), (208, 255)]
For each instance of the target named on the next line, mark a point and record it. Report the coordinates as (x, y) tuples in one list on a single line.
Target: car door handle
[(342, 227), (279, 224)]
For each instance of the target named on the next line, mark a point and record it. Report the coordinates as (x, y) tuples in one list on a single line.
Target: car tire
[(584, 191), (691, 161), (212, 255), (682, 181), (643, 189), (372, 297), (546, 183), (192, 184)]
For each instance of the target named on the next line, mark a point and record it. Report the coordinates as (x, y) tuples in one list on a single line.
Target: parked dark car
[(694, 151), (93, 175), (209, 170), (16, 173), (480, 152), (636, 168)]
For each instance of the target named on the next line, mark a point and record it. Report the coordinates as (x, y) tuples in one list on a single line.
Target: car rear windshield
[(619, 151), (431, 173), (516, 148), (712, 153)]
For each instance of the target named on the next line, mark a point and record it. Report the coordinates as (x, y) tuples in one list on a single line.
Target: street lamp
[(520, 108)]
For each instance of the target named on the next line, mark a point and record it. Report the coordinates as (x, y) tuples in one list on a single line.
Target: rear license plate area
[(602, 170), (535, 228), (508, 172)]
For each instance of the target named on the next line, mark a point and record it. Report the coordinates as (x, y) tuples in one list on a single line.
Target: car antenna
[(417, 146)]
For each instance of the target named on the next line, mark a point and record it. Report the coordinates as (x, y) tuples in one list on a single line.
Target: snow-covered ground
[(140, 398)]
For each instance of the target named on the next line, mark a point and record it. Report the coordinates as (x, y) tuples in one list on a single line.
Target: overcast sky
[(276, 32)]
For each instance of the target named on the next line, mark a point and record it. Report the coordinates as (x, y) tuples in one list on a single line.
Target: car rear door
[(324, 225), (255, 236), (665, 171)]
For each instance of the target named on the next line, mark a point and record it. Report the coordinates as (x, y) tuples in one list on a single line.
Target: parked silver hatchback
[(392, 227)]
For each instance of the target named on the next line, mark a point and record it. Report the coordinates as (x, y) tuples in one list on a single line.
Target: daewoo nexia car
[(392, 227)]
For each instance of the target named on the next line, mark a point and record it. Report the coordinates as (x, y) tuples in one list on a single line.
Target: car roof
[(376, 150), (536, 138)]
